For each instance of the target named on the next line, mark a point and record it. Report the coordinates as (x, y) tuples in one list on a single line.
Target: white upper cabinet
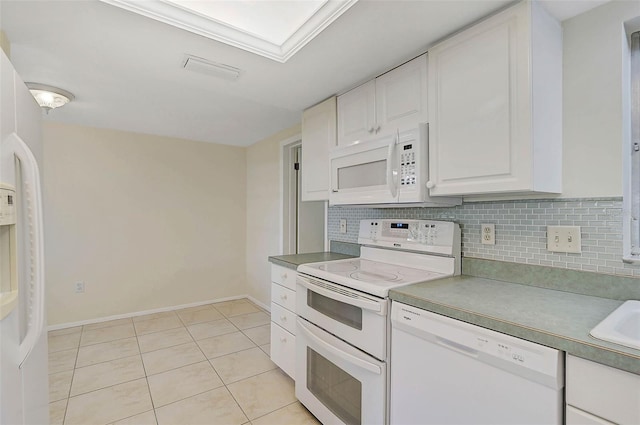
[(395, 101), (318, 137), (495, 106), (357, 114)]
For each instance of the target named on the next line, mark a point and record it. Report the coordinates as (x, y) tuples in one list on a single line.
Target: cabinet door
[(356, 114), (318, 136), (283, 276), (479, 108), (283, 350), (603, 391), (401, 97), (283, 296), (579, 417)]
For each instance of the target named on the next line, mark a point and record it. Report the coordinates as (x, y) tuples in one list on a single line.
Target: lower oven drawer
[(283, 318), (283, 296), (283, 349), (338, 383)]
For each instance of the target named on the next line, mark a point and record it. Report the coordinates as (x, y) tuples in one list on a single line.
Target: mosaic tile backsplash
[(521, 233)]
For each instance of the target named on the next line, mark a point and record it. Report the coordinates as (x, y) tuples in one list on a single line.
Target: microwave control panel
[(407, 164)]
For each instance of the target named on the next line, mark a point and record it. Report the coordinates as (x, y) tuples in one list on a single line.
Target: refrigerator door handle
[(32, 221)]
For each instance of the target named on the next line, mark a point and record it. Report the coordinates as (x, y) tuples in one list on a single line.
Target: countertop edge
[(292, 261)]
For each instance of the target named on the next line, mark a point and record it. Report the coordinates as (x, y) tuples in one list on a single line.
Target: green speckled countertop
[(294, 260), (551, 317)]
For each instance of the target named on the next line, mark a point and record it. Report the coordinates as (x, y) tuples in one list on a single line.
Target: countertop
[(294, 260), (554, 318)]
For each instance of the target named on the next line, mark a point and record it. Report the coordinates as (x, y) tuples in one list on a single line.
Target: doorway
[(303, 222)]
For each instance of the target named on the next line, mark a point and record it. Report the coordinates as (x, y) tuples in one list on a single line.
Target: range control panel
[(418, 235)]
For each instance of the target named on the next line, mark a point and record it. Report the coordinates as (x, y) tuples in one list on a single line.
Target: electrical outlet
[(343, 225), (79, 287), (564, 239), (488, 234)]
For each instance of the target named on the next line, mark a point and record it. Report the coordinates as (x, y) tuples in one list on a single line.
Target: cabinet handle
[(283, 296), (284, 276), (372, 129), (378, 129), (430, 184), (283, 339), (283, 318)]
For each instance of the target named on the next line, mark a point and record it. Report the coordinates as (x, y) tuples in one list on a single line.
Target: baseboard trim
[(255, 301), (155, 310)]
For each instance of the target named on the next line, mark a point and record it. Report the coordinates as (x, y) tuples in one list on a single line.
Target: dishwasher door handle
[(458, 348)]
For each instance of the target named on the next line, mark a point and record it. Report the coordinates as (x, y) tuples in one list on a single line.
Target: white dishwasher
[(445, 371)]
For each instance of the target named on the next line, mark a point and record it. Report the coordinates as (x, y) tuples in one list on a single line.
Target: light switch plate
[(564, 239), (343, 225)]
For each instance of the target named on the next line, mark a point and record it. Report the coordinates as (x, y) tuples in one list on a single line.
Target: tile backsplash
[(520, 230)]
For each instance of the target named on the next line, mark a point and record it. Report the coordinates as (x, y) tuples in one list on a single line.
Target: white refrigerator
[(24, 392)]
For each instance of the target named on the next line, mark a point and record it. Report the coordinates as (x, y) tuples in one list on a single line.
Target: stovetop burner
[(334, 267), (372, 277)]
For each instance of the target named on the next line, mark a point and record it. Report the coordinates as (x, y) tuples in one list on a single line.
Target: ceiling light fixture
[(49, 97), (205, 66)]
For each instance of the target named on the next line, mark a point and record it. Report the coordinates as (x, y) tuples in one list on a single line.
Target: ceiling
[(126, 73)]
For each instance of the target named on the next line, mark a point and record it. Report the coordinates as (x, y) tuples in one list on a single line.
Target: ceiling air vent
[(204, 66)]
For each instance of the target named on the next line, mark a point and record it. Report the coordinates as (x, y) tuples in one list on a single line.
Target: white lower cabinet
[(283, 349), (580, 417), (283, 318), (599, 394)]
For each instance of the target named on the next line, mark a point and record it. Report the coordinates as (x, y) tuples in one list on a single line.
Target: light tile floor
[(202, 365)]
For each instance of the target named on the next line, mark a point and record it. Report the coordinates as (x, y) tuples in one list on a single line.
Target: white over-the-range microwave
[(391, 171)]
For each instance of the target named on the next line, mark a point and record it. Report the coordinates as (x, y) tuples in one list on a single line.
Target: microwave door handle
[(358, 302), (391, 172), (363, 364)]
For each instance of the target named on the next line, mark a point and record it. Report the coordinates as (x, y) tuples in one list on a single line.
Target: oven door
[(365, 173), (355, 317), (338, 383)]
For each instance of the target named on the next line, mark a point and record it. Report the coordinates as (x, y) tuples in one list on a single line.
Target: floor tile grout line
[(108, 386), (282, 407), (104, 342), (250, 377), (161, 330), (186, 398), (146, 379), (110, 360)]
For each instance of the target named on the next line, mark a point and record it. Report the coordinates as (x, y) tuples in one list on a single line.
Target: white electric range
[(342, 333)]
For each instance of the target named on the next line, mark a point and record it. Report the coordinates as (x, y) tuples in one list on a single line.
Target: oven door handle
[(363, 364), (358, 302)]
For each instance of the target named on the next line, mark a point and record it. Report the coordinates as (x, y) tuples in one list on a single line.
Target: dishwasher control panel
[(474, 341)]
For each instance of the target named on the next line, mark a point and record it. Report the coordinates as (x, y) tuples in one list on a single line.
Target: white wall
[(263, 211), (145, 221), (592, 104)]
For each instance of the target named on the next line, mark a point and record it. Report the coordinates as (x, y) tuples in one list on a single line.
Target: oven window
[(334, 388), (363, 175), (348, 314)]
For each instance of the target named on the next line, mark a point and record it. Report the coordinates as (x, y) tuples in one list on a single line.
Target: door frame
[(286, 146)]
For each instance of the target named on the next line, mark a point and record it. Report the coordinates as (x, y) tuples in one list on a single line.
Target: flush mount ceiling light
[(205, 66), (49, 97), (275, 29)]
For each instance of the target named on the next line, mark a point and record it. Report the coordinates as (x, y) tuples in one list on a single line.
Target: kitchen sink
[(622, 326)]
